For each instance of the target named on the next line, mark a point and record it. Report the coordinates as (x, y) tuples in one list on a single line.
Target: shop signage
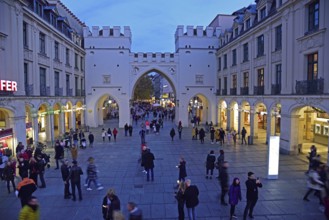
[(8, 86), (6, 133)]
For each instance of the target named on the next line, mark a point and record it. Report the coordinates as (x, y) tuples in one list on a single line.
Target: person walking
[(212, 135), (224, 183), (180, 200), (252, 185), (130, 129), (234, 196), (202, 134), (92, 174), (210, 164), (65, 171), (59, 153), (314, 183), (41, 164), (3, 162), (115, 133), (25, 189), (191, 195), (74, 152), (9, 176), (193, 134), (75, 179), (182, 170), (104, 134), (172, 134), (243, 135), (148, 162), (126, 127), (180, 129), (220, 161), (234, 134), (134, 212), (110, 204), (31, 211), (142, 136), (109, 134), (91, 139), (222, 136)]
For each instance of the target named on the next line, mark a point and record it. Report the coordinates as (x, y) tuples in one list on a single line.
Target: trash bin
[(250, 140)]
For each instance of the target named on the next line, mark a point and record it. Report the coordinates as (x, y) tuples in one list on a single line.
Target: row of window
[(57, 90), (312, 25), (78, 60), (312, 74), (245, 49)]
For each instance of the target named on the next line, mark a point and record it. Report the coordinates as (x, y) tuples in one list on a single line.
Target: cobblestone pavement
[(118, 166)]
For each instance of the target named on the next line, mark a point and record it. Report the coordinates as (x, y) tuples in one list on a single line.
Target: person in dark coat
[(23, 168), (212, 135), (126, 129), (202, 134), (134, 212), (252, 185), (180, 200), (65, 170), (191, 199), (148, 162), (130, 129), (74, 176), (172, 134), (210, 164), (224, 183), (9, 175), (180, 129), (243, 135), (234, 196), (110, 203), (59, 153), (220, 161), (182, 169), (109, 134), (91, 139)]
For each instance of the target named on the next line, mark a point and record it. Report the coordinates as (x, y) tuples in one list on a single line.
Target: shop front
[(6, 141)]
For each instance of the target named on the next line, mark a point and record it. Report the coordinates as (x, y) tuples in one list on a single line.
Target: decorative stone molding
[(308, 100), (18, 9), (107, 79), (5, 101), (276, 56), (260, 61)]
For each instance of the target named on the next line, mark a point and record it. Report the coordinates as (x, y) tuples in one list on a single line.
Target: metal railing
[(233, 91), (224, 91), (310, 87), (258, 90), (244, 90), (276, 89)]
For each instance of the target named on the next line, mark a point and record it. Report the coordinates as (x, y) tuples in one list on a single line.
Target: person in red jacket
[(115, 132)]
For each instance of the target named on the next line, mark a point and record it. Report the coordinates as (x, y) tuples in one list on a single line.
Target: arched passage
[(260, 121), (198, 109), (163, 99), (67, 109), (106, 108), (222, 114), (6, 131), (310, 126)]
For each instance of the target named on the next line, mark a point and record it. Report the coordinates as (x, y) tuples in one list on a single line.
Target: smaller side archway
[(199, 109)]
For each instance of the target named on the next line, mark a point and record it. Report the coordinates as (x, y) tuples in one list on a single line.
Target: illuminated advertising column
[(273, 157)]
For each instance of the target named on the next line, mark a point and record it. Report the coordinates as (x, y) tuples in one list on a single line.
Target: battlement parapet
[(153, 57), (107, 31), (199, 31)]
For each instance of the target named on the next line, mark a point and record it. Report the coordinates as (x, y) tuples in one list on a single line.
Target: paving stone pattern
[(119, 169)]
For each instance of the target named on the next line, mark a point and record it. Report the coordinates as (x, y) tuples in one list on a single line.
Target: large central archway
[(164, 96)]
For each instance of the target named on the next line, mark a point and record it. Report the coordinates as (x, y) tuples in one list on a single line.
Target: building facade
[(42, 52), (263, 67), (272, 72)]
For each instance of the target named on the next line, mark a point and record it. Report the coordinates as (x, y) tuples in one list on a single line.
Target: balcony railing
[(224, 91), (77, 92), (244, 90), (233, 91), (276, 89), (29, 90), (43, 90), (58, 91), (258, 90), (310, 87), (218, 92), (83, 92), (69, 92)]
